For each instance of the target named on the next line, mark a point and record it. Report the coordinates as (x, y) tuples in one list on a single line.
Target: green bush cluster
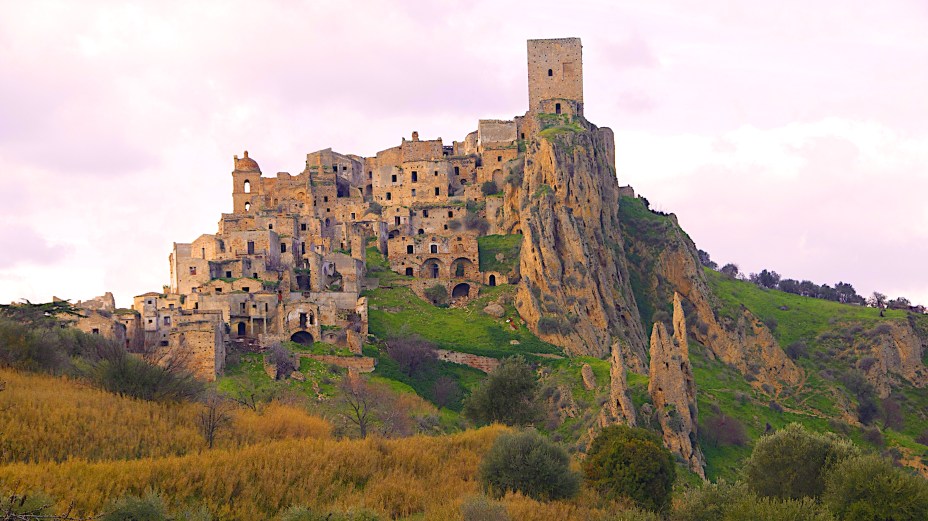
[(529, 463)]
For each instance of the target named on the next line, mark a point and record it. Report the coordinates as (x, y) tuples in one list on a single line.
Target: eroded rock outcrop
[(619, 408), (896, 350), (673, 389), (574, 289)]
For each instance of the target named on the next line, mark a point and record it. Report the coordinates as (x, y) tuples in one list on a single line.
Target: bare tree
[(214, 417), (359, 401)]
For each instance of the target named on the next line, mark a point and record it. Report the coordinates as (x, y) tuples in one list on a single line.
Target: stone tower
[(246, 184), (555, 76)]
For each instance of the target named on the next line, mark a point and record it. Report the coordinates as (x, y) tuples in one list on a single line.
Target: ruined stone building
[(288, 263)]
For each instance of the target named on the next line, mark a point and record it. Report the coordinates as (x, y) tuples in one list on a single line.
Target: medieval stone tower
[(555, 76)]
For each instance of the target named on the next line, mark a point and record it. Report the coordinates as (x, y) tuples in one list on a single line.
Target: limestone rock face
[(620, 408), (896, 350), (673, 389), (494, 310), (589, 379), (574, 289), (744, 343)]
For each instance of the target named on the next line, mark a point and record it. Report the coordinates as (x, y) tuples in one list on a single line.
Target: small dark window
[(254, 275), (228, 274), (499, 158), (251, 247), (303, 319), (437, 191), (409, 272), (352, 216), (550, 72), (325, 198), (302, 247), (389, 196), (370, 175), (425, 213), (450, 213), (265, 307), (328, 210), (95, 331), (335, 168), (218, 290), (433, 248), (557, 108), (415, 176), (283, 248), (246, 289), (270, 226), (193, 270), (409, 248), (393, 178), (457, 170), (150, 302), (303, 227), (436, 173), (396, 220), (242, 307), (413, 192), (164, 343)]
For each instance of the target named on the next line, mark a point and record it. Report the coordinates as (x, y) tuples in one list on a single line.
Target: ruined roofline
[(568, 39)]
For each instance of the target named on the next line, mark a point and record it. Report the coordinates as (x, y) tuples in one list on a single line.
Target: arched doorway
[(241, 329), (431, 269), (461, 268), (302, 338), (461, 290), (492, 280)]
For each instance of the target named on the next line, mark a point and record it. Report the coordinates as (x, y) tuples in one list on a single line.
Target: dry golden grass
[(45, 418), (90, 447)]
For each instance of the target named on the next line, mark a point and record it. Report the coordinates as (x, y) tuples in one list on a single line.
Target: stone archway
[(461, 267), (302, 338), (431, 269), (492, 280), (461, 290)]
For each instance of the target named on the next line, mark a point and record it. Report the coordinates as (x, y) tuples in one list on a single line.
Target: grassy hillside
[(54, 419)]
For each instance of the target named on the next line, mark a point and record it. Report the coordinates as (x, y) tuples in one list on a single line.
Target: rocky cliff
[(664, 260), (574, 289), (673, 389)]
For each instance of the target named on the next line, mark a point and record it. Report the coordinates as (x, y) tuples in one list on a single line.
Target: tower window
[(247, 186), (415, 176), (550, 72)]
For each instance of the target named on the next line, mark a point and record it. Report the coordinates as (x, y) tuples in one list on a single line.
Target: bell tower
[(555, 76)]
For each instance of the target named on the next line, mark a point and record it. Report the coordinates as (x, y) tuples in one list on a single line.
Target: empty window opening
[(218, 290), (370, 175), (393, 178), (247, 186), (433, 248), (228, 274), (304, 319), (450, 213), (270, 226), (254, 275), (492, 280), (303, 227), (409, 272), (302, 247), (95, 331), (164, 343), (251, 247), (325, 198), (202, 253), (396, 220), (150, 321), (335, 168), (241, 329), (242, 306), (499, 159), (457, 170), (352, 216), (283, 248), (246, 289), (409, 248), (436, 173), (523, 135), (265, 307), (247, 206), (434, 270), (328, 209), (389, 196), (413, 192), (425, 213), (415, 176), (557, 108), (193, 270), (421, 231), (328, 221), (550, 72), (437, 191)]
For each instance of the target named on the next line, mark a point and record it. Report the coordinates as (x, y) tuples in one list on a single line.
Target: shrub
[(26, 506), (129, 375), (454, 225), (480, 508), (721, 430), (282, 359), (870, 488), (922, 437), (735, 502), (489, 188), (872, 435), (792, 462), (797, 350), (306, 514), (437, 294), (414, 355), (506, 396), (472, 221), (132, 508), (631, 462), (549, 325), (527, 462)]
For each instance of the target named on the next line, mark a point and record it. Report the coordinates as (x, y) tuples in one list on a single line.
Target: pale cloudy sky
[(789, 135)]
